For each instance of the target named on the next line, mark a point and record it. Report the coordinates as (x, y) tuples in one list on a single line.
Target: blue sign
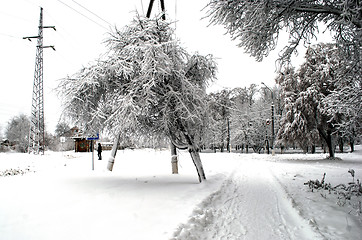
[(93, 138)]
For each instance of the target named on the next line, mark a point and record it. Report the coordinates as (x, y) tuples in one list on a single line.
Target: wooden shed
[(82, 144)]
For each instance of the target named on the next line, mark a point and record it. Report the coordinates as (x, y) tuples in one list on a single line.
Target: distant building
[(81, 144)]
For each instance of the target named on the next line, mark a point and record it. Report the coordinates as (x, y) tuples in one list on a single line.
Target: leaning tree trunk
[(113, 153), (198, 164), (190, 144), (195, 158)]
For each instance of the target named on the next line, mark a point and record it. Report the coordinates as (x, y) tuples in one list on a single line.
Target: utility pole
[(272, 116), (36, 132)]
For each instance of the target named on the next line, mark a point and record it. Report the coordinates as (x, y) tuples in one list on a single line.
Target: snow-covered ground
[(246, 196)]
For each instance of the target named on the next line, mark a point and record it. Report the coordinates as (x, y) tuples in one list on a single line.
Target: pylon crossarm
[(53, 27), (52, 47), (29, 38)]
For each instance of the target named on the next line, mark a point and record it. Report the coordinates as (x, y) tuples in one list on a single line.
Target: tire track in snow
[(250, 204)]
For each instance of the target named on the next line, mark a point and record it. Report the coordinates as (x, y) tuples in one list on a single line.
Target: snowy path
[(251, 204)]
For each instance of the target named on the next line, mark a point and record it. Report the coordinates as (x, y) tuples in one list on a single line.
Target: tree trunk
[(228, 136), (340, 144), (328, 139), (193, 151), (222, 140), (113, 153), (313, 149), (351, 140), (352, 145), (198, 164), (174, 158), (330, 146)]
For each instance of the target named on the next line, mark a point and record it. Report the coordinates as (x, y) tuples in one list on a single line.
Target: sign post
[(62, 140), (92, 147)]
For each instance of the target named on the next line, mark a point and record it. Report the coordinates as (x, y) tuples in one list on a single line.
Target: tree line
[(15, 136), (307, 112)]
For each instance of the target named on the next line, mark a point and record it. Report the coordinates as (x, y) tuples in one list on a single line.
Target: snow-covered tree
[(219, 105), (1, 133), (345, 101), (147, 84), (17, 132), (294, 128), (237, 116), (256, 25), (62, 129), (245, 119), (306, 116)]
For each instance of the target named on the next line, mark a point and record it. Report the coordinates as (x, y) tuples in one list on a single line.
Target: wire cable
[(16, 17), (10, 36), (143, 11), (175, 14), (92, 13), (82, 15)]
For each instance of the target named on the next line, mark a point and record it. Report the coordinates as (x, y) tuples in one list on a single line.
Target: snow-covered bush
[(350, 193), (14, 171)]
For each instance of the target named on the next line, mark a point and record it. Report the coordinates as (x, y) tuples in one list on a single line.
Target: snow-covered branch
[(256, 24)]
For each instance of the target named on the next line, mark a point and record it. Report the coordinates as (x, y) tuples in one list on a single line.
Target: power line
[(14, 16), (82, 15), (31, 3), (10, 36), (91, 12), (68, 37), (143, 11), (175, 15)]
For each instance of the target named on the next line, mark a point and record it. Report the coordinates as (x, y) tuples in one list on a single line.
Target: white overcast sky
[(78, 41)]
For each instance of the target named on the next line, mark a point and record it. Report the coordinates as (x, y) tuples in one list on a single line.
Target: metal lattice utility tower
[(36, 133)]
